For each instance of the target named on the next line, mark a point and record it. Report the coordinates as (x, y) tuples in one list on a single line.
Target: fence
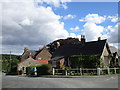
[(86, 71)]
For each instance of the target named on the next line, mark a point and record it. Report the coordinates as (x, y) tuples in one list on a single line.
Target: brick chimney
[(83, 39), (99, 38)]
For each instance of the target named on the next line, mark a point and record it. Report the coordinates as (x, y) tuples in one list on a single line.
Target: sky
[(36, 23)]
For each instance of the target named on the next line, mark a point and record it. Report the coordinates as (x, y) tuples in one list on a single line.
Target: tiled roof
[(88, 48), (42, 61), (33, 53), (57, 58)]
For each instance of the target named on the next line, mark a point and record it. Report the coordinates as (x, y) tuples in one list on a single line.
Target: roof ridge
[(97, 40)]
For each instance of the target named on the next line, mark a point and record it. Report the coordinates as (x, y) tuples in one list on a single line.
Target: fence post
[(115, 70), (53, 71), (66, 72), (98, 71), (108, 71), (81, 71)]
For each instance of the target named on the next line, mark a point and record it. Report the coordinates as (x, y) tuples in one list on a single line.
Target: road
[(42, 82), (0, 80)]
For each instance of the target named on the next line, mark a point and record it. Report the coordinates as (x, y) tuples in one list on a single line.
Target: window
[(54, 63)]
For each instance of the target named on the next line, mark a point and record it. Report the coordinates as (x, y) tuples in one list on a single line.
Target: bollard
[(53, 71), (81, 71), (115, 70), (36, 73), (66, 72), (98, 71), (108, 71)]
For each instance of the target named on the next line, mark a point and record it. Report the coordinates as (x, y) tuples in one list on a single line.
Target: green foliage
[(28, 70), (85, 61), (65, 67), (89, 73), (7, 63), (7, 56), (44, 69), (60, 72), (118, 71)]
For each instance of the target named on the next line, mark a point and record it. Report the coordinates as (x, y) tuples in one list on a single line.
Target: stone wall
[(28, 62)]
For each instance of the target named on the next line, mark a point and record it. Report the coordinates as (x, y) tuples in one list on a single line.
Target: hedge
[(44, 69)]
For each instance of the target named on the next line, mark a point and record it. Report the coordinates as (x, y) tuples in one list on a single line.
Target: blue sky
[(35, 24), (81, 9)]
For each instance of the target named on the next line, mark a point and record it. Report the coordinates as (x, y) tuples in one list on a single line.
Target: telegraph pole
[(10, 60)]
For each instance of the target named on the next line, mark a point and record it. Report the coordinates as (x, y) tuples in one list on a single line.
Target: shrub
[(85, 61), (44, 69), (29, 70)]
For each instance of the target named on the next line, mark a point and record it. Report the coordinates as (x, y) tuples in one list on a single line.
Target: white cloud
[(26, 21), (93, 18), (92, 31), (64, 6), (69, 16), (75, 29), (55, 3), (113, 34), (63, 1), (113, 18), (73, 35), (18, 49), (24, 24)]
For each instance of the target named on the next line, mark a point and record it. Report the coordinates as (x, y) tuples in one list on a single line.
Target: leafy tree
[(85, 61), (9, 65)]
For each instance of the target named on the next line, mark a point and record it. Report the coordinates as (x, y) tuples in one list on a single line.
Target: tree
[(85, 61)]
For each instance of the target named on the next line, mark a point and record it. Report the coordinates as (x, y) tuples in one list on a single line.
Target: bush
[(44, 69), (11, 73), (85, 61), (118, 71), (29, 70)]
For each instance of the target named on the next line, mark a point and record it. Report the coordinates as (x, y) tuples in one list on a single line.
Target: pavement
[(83, 76), (60, 82)]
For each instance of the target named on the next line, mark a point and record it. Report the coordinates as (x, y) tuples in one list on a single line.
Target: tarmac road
[(42, 82)]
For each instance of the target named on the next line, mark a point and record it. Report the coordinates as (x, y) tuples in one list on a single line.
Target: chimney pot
[(83, 39), (99, 38)]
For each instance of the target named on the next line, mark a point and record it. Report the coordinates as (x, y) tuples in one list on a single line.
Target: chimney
[(99, 38), (25, 49), (30, 55), (82, 38)]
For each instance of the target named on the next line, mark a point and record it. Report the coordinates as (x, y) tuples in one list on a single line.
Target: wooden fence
[(86, 71)]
